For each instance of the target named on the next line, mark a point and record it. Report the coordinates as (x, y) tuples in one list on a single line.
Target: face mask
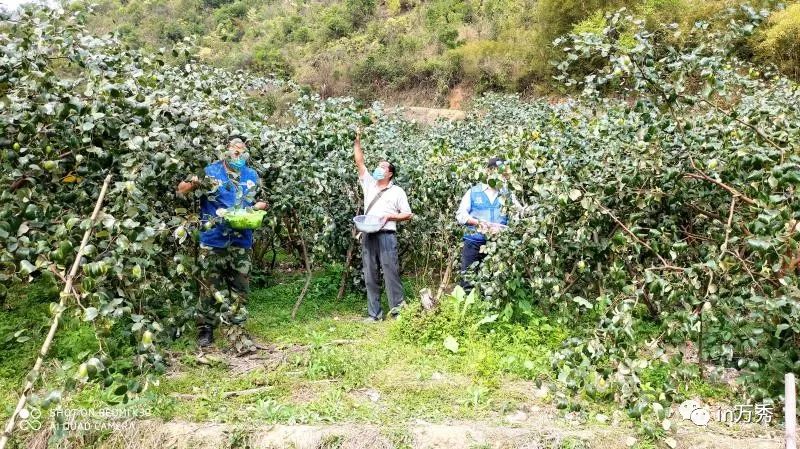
[(237, 164), (379, 173)]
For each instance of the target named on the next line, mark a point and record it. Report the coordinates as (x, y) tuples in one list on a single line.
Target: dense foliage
[(674, 205), (665, 194), (411, 51), (76, 108)]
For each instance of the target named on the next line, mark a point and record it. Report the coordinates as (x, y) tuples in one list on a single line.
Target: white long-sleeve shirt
[(462, 215)]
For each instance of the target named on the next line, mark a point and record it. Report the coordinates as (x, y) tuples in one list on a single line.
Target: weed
[(331, 442), (399, 437), (572, 443), (238, 438)]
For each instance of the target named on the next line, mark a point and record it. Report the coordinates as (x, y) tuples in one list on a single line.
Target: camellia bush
[(662, 195), (75, 108), (665, 195)]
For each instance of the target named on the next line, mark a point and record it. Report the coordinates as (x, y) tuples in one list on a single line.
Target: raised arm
[(359, 155)]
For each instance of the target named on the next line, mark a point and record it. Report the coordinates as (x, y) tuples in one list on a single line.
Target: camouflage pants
[(224, 285)]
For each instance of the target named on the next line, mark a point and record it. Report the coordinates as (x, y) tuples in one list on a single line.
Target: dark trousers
[(379, 252), (224, 285), (471, 258)]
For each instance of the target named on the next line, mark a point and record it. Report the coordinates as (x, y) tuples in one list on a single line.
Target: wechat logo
[(695, 412), (30, 419)]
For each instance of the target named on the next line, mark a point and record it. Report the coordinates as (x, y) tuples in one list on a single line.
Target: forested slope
[(431, 52)]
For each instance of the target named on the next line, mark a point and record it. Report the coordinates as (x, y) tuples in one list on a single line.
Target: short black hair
[(237, 136), (392, 169), (495, 162)]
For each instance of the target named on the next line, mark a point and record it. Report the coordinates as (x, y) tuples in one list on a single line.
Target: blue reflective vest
[(228, 194), (482, 209)]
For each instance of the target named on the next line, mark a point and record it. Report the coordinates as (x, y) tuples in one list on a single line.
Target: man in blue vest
[(224, 252), (481, 211)]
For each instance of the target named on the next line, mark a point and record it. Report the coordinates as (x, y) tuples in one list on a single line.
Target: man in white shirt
[(481, 211), (384, 199)]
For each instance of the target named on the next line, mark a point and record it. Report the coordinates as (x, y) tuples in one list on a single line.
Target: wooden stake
[(308, 271), (790, 411), (347, 262), (445, 278), (65, 293)]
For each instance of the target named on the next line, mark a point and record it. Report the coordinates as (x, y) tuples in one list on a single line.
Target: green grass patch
[(24, 322), (328, 366), (485, 348), (335, 368)]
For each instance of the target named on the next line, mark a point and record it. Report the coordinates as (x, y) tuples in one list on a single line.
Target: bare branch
[(729, 189), (37, 366), (641, 242)]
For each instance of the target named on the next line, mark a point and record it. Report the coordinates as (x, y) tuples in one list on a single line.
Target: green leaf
[(759, 244), (451, 344), (26, 268), (488, 319), (582, 301), (90, 314), (780, 328)]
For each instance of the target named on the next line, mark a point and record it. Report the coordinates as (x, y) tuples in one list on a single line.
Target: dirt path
[(530, 434), (429, 116), (535, 424)]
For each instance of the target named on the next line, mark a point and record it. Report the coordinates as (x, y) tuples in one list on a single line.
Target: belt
[(386, 231)]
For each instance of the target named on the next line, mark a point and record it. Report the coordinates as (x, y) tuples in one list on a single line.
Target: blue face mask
[(237, 164), (379, 173)]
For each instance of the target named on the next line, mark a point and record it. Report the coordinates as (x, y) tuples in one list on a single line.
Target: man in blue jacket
[(225, 252), (481, 211)]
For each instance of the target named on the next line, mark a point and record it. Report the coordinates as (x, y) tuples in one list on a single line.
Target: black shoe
[(205, 336)]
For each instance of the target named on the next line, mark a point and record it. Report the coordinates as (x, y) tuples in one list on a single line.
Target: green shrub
[(215, 3), (292, 29), (172, 31), (558, 16), (335, 22), (236, 10), (596, 24), (493, 65), (382, 67), (447, 12), (593, 24), (268, 59), (359, 11), (440, 72)]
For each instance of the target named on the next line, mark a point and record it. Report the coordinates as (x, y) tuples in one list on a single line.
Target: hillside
[(426, 53)]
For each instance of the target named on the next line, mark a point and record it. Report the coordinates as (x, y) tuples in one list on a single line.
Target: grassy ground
[(329, 367), (24, 320)]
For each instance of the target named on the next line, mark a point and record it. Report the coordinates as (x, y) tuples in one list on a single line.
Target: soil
[(537, 431), (428, 116)]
